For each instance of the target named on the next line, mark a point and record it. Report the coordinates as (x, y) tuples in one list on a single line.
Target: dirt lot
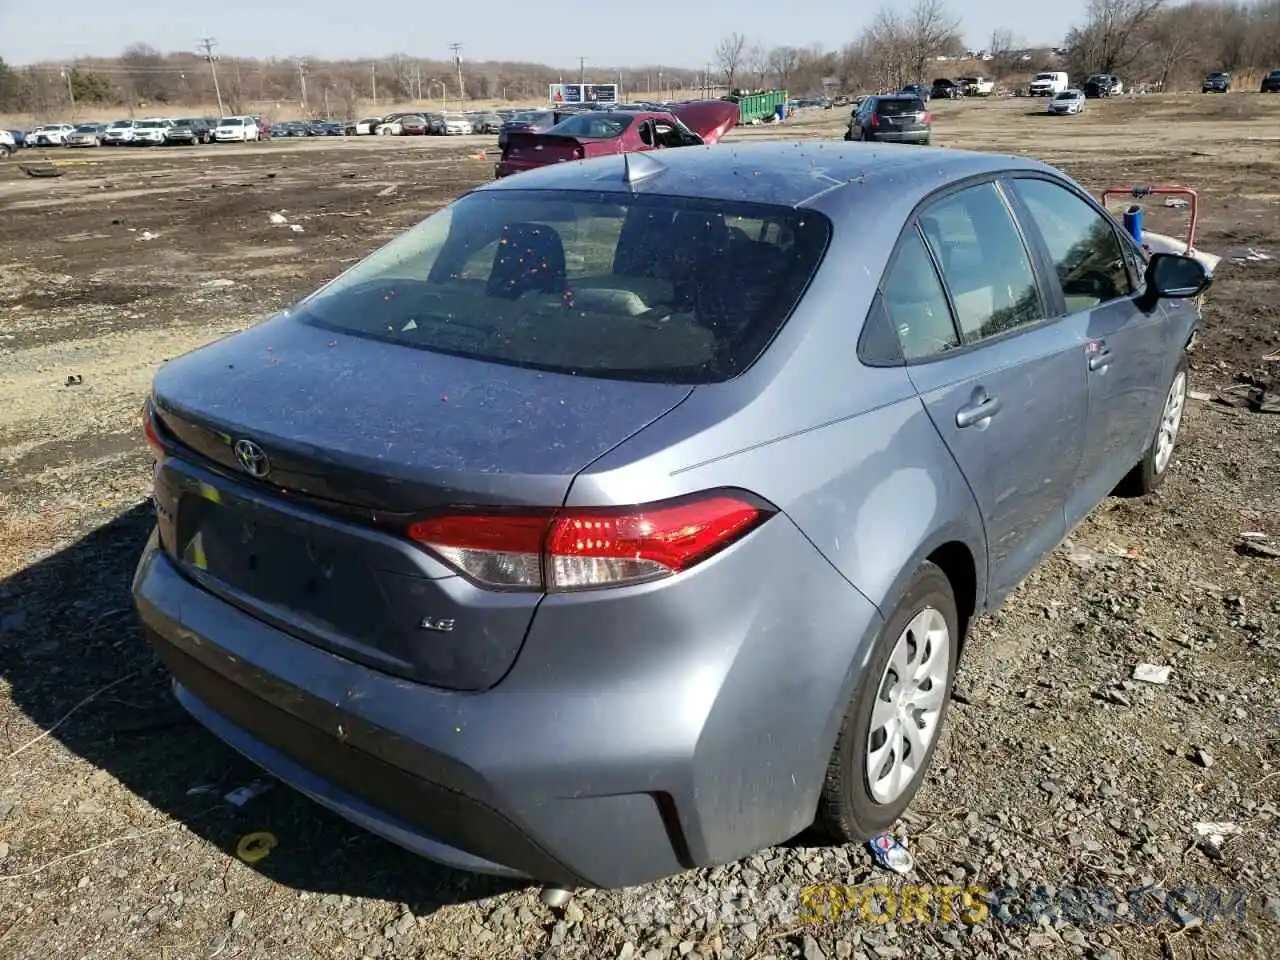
[(1057, 770)]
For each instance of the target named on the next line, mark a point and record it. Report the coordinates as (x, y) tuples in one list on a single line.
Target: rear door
[(1007, 393), (1126, 349)]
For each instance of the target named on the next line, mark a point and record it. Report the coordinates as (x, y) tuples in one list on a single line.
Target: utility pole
[(302, 80), (206, 45), (373, 77), (457, 59), (66, 72), (582, 71)]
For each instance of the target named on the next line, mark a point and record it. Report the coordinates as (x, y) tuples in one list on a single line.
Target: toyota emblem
[(253, 458)]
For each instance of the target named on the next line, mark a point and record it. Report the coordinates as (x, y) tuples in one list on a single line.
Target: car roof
[(790, 173)]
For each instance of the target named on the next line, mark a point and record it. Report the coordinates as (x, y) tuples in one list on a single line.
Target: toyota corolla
[(627, 516)]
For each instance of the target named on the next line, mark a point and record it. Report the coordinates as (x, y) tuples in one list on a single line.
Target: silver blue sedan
[(628, 516)]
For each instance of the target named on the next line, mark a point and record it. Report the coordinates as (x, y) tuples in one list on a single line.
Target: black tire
[(847, 811), (5, 150), (1147, 475)]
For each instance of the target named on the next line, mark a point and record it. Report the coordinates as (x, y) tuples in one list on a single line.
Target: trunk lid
[(359, 436), (543, 148), (709, 119)]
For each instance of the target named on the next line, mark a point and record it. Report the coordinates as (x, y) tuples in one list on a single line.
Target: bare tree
[(1115, 36), (729, 57), (782, 63), (1003, 51), (931, 30), (755, 63)]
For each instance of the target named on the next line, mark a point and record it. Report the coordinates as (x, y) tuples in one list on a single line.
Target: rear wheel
[(5, 150), (895, 715)]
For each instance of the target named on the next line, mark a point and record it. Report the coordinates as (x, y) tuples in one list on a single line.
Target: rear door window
[(899, 107), (595, 284), (984, 261), (916, 303)]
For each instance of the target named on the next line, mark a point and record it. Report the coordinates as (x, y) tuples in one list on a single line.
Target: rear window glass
[(900, 107), (1068, 95), (592, 126), (594, 284)]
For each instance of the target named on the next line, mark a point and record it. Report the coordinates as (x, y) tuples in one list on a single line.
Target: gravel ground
[(1063, 787)]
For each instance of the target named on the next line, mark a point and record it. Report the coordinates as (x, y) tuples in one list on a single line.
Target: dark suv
[(944, 89), (1271, 82), (1100, 85), (191, 130), (895, 118), (1217, 82)]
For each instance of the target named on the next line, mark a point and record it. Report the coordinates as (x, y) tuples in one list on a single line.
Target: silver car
[(627, 516), (1067, 102)]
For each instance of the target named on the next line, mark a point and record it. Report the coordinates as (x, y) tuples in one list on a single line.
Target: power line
[(207, 44)]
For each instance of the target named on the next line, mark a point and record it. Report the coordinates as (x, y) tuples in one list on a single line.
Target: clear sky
[(675, 32)]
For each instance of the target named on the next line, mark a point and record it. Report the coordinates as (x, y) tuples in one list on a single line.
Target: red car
[(607, 132)]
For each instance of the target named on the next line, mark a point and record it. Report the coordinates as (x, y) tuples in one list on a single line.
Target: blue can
[(1133, 222)]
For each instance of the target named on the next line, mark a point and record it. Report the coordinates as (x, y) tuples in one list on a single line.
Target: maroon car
[(605, 132), (413, 126)]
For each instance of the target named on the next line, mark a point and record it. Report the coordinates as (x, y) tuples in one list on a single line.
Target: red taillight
[(151, 433), (873, 121), (927, 118), (580, 548)]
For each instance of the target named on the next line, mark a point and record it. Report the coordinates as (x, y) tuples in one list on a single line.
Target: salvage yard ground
[(1058, 769)]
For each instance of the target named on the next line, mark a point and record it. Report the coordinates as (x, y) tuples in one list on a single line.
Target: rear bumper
[(901, 136), (681, 735)]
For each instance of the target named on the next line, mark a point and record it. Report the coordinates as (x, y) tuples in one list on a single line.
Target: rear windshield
[(589, 126), (594, 284), (900, 107), (1068, 95)]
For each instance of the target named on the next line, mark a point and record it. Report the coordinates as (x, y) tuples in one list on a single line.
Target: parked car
[(237, 129), (977, 86), (918, 90), (1049, 83), (1067, 102), (328, 128), (118, 133), (435, 124), (531, 121), (599, 133), (8, 143), (362, 128), (1217, 82), (945, 88), (289, 128), (1271, 82), (49, 135), (455, 124), (86, 135), (485, 122), (192, 131), (413, 125), (895, 118), (744, 570), (390, 125), (1102, 85), (151, 133)]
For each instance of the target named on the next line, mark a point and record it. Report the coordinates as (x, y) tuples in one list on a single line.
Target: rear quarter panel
[(851, 457)]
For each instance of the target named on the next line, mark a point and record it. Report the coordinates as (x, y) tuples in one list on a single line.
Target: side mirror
[(1173, 276)]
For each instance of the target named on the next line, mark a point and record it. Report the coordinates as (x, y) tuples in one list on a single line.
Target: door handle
[(977, 411), (1100, 360)]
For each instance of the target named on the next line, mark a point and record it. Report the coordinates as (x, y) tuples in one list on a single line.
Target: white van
[(233, 129), (1049, 84)]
